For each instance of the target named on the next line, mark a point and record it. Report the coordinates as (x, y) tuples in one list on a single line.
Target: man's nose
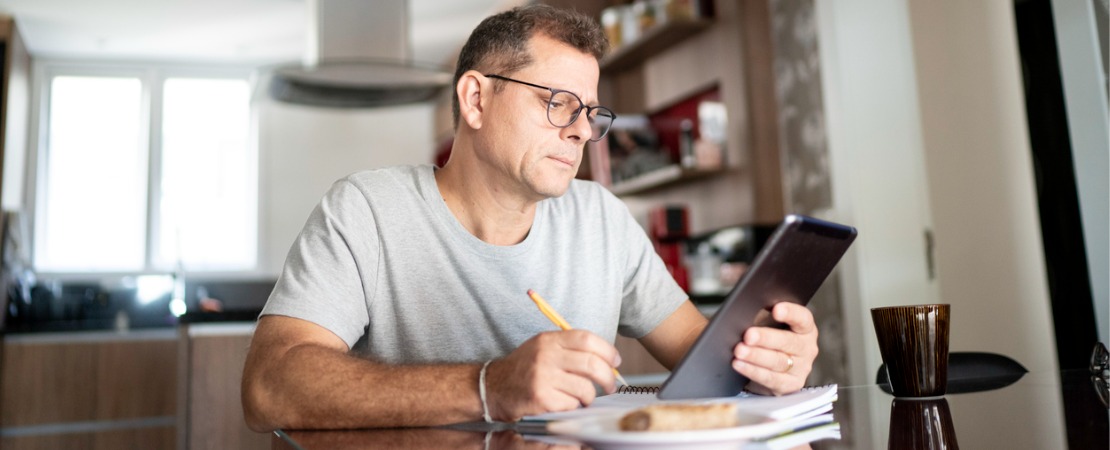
[(581, 127)]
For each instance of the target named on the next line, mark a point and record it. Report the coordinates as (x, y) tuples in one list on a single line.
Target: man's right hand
[(552, 371)]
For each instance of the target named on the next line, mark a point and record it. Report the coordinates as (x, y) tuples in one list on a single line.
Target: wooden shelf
[(655, 40), (664, 176)]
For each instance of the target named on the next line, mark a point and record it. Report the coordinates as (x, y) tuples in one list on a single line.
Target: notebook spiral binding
[(638, 390)]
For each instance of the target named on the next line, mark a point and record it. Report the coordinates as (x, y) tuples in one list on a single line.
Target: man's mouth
[(563, 160)]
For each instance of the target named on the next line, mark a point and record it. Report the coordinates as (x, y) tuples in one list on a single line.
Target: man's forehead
[(561, 66)]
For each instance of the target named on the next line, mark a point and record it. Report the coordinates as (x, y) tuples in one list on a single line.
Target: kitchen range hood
[(358, 56)]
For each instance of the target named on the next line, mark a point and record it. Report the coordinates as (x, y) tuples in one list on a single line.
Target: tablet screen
[(796, 260)]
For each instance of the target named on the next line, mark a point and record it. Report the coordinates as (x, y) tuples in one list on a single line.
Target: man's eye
[(556, 105)]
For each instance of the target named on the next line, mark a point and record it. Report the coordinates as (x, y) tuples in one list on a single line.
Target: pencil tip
[(622, 380)]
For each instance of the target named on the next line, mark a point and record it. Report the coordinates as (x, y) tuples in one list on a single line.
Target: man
[(403, 301)]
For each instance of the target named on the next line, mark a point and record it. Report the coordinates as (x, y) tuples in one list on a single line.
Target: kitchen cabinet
[(88, 390), (211, 358), (158, 388)]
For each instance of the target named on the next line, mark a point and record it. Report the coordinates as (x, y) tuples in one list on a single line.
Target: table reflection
[(921, 424), (1039, 411), (465, 439), (418, 438)]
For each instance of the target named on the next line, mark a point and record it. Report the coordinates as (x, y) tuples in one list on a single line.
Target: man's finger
[(585, 341), (797, 317), (578, 388), (774, 382), (779, 340), (773, 360), (592, 367)]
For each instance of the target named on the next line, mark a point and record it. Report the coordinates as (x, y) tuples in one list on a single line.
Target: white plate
[(603, 432)]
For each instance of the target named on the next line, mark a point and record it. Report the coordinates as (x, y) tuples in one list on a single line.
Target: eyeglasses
[(564, 107)]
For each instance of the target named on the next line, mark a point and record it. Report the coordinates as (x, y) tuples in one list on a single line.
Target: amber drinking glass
[(913, 341)]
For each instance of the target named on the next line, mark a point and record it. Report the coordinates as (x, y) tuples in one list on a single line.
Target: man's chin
[(553, 188)]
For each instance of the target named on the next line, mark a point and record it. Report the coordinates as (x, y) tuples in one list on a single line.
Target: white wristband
[(482, 392)]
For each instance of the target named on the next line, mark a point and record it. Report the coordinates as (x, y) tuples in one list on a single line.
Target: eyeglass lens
[(564, 108)]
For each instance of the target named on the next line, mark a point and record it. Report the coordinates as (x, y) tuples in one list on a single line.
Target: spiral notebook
[(810, 400)]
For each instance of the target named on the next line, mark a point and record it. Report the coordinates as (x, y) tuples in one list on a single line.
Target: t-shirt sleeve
[(650, 293), (331, 266)]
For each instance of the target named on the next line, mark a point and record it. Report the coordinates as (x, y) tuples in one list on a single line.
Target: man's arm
[(763, 354), (670, 341), (299, 375)]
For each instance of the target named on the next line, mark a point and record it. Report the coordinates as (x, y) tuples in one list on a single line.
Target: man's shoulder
[(385, 182), (387, 176)]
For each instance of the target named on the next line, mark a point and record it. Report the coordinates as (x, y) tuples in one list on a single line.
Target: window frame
[(152, 78)]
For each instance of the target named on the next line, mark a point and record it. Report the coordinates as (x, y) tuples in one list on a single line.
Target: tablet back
[(797, 258)]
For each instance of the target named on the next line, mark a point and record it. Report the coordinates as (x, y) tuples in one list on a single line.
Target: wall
[(945, 104), (875, 150), (303, 150), (927, 117), (17, 105), (979, 163)]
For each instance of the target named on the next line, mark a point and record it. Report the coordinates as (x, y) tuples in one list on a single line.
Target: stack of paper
[(763, 418)]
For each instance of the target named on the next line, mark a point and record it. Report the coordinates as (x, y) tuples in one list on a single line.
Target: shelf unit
[(654, 41), (661, 177), (630, 58)]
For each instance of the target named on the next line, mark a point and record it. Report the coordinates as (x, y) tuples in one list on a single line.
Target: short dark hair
[(500, 43)]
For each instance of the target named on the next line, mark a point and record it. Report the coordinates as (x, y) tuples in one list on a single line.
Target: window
[(144, 171)]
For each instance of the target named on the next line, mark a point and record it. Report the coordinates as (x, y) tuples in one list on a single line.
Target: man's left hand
[(778, 361)]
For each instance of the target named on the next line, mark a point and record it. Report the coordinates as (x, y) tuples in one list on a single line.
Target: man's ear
[(469, 91)]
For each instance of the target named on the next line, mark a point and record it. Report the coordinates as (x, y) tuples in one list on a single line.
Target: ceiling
[(216, 31)]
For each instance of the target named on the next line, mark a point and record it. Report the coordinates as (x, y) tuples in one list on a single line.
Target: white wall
[(875, 152), (303, 150), (18, 110), (927, 125), (878, 182), (990, 257)]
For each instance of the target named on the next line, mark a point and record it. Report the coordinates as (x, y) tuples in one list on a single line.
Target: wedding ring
[(789, 363)]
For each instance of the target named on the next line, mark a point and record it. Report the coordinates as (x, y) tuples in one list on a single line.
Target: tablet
[(793, 263)]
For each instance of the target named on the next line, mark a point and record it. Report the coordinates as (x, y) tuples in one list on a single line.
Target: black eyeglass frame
[(574, 116)]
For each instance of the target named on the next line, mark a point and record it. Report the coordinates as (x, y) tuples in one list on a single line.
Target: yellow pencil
[(560, 322)]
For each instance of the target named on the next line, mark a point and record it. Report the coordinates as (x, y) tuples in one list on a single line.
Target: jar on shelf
[(611, 23)]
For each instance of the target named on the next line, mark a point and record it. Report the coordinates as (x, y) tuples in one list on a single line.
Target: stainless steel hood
[(358, 56)]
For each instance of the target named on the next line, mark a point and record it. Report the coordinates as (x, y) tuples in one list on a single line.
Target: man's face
[(537, 158)]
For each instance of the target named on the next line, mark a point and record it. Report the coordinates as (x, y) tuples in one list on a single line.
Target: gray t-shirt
[(383, 264)]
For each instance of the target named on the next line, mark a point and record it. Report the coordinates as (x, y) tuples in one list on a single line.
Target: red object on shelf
[(667, 122), (680, 276), (672, 253), (668, 223), (668, 228)]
